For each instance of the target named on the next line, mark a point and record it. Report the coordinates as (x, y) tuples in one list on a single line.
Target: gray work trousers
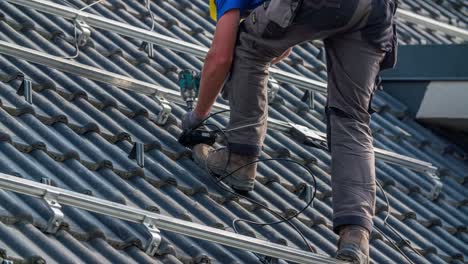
[(353, 65)]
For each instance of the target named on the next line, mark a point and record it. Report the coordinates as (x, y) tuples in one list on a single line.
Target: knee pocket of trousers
[(334, 111)]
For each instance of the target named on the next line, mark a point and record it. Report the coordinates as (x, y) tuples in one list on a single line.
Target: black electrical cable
[(283, 219), (235, 221), (287, 220), (386, 224)]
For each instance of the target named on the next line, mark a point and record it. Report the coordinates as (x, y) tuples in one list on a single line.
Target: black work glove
[(190, 120)]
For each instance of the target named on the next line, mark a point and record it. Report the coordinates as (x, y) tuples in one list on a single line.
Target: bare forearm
[(213, 76), (218, 61)]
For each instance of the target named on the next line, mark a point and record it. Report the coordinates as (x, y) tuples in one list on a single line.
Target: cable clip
[(83, 32)]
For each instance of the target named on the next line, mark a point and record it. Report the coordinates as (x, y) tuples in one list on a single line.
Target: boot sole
[(230, 181), (234, 184), (350, 255)]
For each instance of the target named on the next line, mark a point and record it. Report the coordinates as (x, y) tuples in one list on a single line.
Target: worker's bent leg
[(247, 93), (353, 66), (258, 44)]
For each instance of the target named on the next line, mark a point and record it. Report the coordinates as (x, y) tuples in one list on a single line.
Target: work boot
[(216, 162), (353, 245)]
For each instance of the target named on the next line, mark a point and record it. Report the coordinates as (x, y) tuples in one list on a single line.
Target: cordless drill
[(189, 83)]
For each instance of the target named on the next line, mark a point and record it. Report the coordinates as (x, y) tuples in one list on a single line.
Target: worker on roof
[(359, 37), (218, 62)]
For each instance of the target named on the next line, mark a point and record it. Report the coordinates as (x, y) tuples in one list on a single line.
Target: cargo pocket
[(391, 55), (281, 14), (271, 19), (390, 58)]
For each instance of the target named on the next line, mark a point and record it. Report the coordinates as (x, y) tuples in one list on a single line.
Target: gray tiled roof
[(78, 133)]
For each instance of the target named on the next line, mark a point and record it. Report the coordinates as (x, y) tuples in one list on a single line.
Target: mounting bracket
[(138, 153), (309, 99), (308, 136), (155, 240), (165, 111), (57, 215), (25, 89), (273, 88), (83, 31), (149, 48), (437, 188), (46, 181)]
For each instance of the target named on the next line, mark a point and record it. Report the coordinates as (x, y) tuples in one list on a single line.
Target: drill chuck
[(189, 103)]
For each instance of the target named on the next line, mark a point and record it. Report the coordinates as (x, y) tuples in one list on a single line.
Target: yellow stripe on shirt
[(213, 11)]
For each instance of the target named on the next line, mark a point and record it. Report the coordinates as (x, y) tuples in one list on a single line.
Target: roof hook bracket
[(155, 240), (138, 153), (25, 89), (83, 31), (308, 136), (309, 99), (165, 111), (437, 188), (273, 88), (149, 48), (56, 220)]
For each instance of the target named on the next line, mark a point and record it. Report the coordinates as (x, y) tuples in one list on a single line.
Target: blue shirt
[(223, 6)]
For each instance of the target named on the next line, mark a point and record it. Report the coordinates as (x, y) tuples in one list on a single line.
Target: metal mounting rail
[(199, 51), (131, 214), (432, 24), (155, 38), (157, 91)]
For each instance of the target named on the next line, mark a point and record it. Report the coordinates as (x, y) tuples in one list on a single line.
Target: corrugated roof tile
[(79, 133)]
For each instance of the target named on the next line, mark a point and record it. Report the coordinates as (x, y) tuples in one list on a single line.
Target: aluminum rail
[(153, 37), (113, 26), (199, 51), (393, 158), (150, 89), (131, 214), (433, 24)]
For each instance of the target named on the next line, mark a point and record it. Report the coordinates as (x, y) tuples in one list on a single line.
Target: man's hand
[(191, 119)]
